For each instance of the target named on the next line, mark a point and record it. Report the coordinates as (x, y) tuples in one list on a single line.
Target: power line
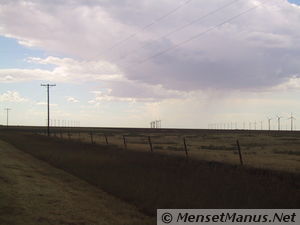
[(186, 25), (150, 24), (194, 37), (200, 34)]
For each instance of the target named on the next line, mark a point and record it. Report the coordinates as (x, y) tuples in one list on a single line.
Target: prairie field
[(260, 149), (209, 177)]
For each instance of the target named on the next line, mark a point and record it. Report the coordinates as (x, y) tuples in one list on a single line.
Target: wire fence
[(262, 149), (276, 150)]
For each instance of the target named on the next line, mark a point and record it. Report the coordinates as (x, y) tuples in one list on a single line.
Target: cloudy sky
[(125, 63)]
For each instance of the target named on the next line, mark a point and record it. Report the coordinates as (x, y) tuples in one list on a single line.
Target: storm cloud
[(260, 49)]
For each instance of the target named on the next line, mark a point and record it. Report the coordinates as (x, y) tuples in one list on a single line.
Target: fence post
[(69, 135), (185, 147), (124, 139), (61, 134), (92, 140), (240, 153), (106, 140), (150, 144)]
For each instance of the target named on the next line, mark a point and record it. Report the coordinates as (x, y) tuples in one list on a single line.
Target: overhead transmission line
[(150, 24), (200, 34), (195, 36), (179, 28)]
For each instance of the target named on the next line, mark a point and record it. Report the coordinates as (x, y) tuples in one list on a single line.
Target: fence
[(258, 149), (277, 150)]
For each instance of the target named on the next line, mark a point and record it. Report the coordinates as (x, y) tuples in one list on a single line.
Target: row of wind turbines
[(292, 118), (254, 127)]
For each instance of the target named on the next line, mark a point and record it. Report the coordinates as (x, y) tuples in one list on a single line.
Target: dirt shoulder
[(33, 192)]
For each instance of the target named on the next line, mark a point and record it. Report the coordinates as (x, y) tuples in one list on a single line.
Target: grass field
[(32, 192), (152, 180), (268, 150)]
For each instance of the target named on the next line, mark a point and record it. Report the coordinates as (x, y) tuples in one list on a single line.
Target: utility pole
[(48, 105), (7, 110)]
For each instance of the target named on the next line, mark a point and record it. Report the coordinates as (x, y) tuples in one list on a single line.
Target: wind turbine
[(278, 119), (7, 110), (292, 120), (269, 122)]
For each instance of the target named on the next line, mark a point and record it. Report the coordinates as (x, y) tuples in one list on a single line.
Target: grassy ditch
[(152, 181)]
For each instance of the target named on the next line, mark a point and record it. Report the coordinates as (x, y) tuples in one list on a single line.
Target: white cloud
[(72, 99), (291, 84), (45, 103), (12, 96), (65, 70), (106, 97)]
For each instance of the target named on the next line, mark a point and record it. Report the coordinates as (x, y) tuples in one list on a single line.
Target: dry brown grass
[(275, 150), (151, 180)]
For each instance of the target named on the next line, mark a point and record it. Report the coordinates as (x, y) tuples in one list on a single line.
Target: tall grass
[(152, 181)]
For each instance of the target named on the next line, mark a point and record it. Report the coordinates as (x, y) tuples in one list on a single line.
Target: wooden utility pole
[(48, 106)]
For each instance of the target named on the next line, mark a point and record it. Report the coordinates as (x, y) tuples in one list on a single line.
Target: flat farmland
[(209, 177), (275, 150)]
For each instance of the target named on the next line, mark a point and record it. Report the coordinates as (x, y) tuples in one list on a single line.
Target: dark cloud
[(257, 50)]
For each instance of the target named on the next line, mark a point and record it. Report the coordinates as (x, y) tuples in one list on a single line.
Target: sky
[(188, 63)]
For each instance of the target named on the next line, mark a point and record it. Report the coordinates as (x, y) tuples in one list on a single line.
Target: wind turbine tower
[(269, 123), (292, 121), (278, 121)]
